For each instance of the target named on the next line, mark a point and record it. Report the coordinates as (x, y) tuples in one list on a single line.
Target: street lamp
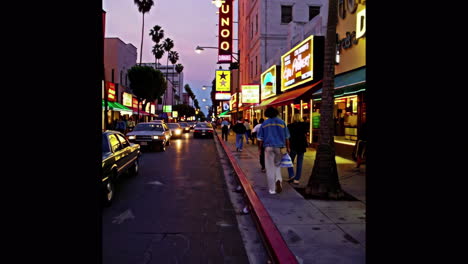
[(199, 50), (218, 3)]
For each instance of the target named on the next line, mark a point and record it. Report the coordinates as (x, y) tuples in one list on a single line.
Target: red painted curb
[(278, 249)]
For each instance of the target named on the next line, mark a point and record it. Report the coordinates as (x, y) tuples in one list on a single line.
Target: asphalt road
[(177, 210)]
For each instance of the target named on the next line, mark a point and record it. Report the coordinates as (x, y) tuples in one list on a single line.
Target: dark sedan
[(203, 129), (119, 157)]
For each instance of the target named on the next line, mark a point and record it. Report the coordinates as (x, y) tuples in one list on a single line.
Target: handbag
[(286, 161)]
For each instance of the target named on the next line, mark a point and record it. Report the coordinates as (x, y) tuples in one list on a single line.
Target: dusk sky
[(187, 22)]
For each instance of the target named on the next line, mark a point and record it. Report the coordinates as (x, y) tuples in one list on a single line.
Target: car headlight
[(178, 131), (131, 137)]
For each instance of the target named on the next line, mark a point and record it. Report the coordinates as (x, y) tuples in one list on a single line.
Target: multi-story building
[(119, 57), (267, 29)]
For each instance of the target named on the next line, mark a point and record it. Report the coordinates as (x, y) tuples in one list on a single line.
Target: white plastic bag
[(286, 161)]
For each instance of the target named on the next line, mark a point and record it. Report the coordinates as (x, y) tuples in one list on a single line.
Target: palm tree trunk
[(324, 178), (142, 31)]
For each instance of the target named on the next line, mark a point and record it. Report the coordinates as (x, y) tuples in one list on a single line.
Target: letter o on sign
[(225, 33), (225, 45)]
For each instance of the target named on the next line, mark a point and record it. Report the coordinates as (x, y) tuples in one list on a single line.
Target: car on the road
[(192, 125), (151, 135), (175, 129), (185, 126), (203, 129), (119, 156)]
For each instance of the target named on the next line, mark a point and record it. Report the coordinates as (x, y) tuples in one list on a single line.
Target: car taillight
[(197, 131), (211, 131)]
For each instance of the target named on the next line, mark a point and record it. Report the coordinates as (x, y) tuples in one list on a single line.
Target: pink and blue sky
[(187, 22)]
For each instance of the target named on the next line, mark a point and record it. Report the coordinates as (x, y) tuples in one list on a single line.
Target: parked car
[(185, 126), (175, 129), (203, 129), (151, 135), (119, 156)]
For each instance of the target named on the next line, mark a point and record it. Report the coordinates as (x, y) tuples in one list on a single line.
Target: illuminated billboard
[(127, 99), (303, 63), (223, 81), (111, 96), (250, 93), (225, 32), (269, 82), (222, 96)]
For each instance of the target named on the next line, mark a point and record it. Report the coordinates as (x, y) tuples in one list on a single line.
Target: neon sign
[(225, 32)]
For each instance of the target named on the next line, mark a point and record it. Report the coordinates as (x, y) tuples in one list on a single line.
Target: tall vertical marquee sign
[(225, 32)]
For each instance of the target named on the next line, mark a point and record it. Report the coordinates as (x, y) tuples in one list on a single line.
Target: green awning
[(115, 106), (348, 83), (225, 113)]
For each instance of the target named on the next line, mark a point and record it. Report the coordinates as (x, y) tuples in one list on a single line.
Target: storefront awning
[(135, 111), (348, 83), (291, 96), (115, 106), (265, 103), (225, 113)]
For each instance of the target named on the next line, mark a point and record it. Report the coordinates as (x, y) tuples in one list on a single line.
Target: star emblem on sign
[(223, 76), (223, 83)]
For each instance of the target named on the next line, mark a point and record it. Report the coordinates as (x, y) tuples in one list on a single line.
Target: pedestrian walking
[(274, 136), (239, 129), (121, 125), (261, 149), (248, 130), (298, 142), (225, 129)]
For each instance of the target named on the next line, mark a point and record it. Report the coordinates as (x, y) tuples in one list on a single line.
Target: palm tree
[(157, 33), (144, 6), (168, 44), (179, 68), (158, 52), (173, 57), (324, 178)]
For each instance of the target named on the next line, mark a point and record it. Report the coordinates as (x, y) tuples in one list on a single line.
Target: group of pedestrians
[(274, 139)]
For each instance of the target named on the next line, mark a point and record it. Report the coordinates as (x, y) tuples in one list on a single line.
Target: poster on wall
[(250, 93), (269, 81), (127, 99), (303, 63)]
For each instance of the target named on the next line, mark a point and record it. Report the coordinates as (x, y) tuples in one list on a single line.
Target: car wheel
[(109, 193), (168, 142), (135, 168)]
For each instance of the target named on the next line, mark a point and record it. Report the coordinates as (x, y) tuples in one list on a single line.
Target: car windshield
[(173, 125), (203, 125), (183, 124), (148, 127), (105, 144)]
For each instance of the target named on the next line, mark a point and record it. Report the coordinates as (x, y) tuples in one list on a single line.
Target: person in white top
[(262, 151)]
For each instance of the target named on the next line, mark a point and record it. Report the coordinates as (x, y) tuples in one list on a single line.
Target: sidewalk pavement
[(316, 231)]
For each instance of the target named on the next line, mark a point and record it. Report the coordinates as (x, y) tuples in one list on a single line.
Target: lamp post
[(199, 50)]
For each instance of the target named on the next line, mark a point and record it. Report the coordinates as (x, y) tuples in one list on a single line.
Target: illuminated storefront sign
[(134, 102), (225, 32), (269, 81), (303, 63), (175, 114), (226, 106), (351, 35), (153, 108), (251, 93), (223, 96), (127, 99), (111, 97), (223, 81), (167, 108)]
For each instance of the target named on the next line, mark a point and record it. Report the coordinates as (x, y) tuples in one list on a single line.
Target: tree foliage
[(183, 109), (146, 83)]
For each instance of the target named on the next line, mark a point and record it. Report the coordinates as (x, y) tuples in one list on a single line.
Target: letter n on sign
[(225, 32)]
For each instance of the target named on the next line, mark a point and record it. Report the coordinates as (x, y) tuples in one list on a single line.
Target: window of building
[(112, 76), (256, 65), (313, 11), (121, 77), (256, 23), (286, 14)]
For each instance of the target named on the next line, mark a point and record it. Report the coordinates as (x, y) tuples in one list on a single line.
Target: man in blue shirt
[(274, 136), (224, 129)]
